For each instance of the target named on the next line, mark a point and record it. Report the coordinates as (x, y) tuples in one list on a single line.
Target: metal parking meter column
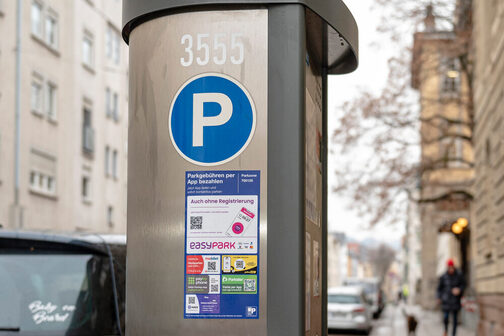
[(227, 163)]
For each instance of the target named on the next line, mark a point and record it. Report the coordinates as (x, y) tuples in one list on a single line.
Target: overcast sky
[(371, 73)]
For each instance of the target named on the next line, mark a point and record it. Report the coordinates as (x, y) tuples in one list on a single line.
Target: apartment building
[(72, 149), (446, 164), (488, 210)]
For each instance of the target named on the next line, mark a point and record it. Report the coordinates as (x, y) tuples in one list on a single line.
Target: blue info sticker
[(222, 244)]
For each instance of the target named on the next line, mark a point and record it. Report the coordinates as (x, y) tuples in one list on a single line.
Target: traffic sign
[(212, 119)]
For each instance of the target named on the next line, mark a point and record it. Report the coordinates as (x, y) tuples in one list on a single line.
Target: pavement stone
[(430, 323), (392, 322)]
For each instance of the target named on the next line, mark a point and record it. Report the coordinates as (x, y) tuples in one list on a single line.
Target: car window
[(343, 298), (369, 288), (67, 294)]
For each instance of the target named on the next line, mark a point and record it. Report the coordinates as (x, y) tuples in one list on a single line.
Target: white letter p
[(200, 121)]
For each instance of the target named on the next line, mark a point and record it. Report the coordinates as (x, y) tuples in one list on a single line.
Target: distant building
[(354, 268), (358, 263), (73, 116), (337, 254), (487, 216), (392, 281), (447, 153)]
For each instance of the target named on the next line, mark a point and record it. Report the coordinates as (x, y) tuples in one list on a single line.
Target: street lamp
[(463, 222), (459, 226), (456, 228)]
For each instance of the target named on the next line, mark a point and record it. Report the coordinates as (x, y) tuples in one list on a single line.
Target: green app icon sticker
[(239, 284)]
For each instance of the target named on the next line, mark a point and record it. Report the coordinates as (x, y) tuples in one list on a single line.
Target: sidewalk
[(429, 322)]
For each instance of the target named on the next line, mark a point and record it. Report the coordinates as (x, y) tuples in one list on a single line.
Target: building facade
[(412, 247), (446, 164), (487, 216), (72, 149), (337, 254)]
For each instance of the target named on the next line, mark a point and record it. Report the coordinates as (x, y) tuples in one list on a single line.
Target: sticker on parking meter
[(212, 119), (222, 244)]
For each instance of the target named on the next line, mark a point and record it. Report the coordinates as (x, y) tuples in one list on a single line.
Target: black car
[(53, 284)]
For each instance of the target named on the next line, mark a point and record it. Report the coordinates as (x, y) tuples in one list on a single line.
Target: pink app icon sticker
[(237, 228), (240, 223)]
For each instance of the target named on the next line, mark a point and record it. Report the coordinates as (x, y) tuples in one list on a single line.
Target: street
[(392, 322), (266, 167)]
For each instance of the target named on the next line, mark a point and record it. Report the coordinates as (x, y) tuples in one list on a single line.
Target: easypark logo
[(212, 245)]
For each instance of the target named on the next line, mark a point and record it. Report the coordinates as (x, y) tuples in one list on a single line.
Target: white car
[(372, 290), (348, 309)]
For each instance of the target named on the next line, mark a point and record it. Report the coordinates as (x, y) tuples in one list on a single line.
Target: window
[(86, 188), (451, 77), (42, 173), (112, 104), (36, 18), (43, 97), (51, 31), (114, 163), (44, 24), (87, 50), (36, 96), (110, 216), (115, 109), (113, 45), (108, 102), (51, 100), (452, 151), (87, 131), (107, 161), (74, 286), (108, 43)]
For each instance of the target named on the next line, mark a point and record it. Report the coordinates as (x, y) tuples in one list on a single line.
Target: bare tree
[(381, 258), (387, 129)]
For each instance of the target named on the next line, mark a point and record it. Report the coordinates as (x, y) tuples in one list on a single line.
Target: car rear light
[(359, 310)]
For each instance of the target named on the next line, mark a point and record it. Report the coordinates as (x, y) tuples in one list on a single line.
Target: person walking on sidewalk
[(449, 293)]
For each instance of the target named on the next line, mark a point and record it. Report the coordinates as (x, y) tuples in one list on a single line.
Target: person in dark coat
[(449, 293)]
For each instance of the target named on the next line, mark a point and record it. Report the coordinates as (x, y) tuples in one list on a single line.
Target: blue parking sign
[(212, 119)]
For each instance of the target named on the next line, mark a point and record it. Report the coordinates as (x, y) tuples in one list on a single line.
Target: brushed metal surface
[(156, 190), (342, 38)]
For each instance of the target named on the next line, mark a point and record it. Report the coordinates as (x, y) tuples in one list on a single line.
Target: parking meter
[(227, 163)]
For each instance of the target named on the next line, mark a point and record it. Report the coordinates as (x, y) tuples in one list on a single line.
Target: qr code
[(239, 264), (212, 266), (196, 222), (192, 300), (214, 288), (249, 285)]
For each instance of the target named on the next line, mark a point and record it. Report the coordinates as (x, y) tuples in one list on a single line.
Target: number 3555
[(219, 49)]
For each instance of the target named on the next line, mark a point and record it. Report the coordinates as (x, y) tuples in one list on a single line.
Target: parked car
[(372, 289), (348, 309), (61, 285)]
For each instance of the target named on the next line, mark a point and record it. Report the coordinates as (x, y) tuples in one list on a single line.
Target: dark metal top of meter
[(342, 35)]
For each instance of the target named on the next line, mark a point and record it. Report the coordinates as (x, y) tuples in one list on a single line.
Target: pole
[(17, 113)]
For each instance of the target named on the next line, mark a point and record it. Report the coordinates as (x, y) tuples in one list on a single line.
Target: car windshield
[(56, 294), (369, 288), (343, 298)]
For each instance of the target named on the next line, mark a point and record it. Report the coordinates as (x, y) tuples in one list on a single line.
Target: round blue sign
[(212, 119)]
